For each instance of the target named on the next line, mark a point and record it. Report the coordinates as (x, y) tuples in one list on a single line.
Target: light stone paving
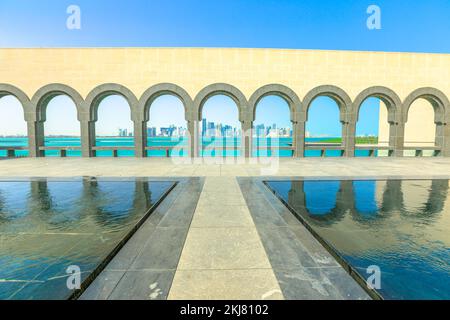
[(306, 167), (223, 257)]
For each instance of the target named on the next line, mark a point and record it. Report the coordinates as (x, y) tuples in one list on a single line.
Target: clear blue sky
[(415, 26)]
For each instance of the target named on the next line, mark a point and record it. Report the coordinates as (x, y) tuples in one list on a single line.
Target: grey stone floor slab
[(303, 267), (162, 250), (103, 285), (144, 267), (306, 284), (143, 285), (283, 248)]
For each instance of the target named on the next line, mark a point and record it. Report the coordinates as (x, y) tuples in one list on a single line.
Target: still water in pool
[(47, 226), (401, 226)]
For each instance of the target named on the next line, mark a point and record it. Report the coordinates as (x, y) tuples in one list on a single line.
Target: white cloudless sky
[(166, 110), (221, 109), (113, 113), (61, 117)]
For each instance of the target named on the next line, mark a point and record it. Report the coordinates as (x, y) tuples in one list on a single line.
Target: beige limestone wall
[(247, 69)]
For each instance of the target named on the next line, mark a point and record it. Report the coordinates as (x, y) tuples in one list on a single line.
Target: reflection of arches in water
[(322, 201), (327, 202), (392, 196), (133, 200), (365, 198), (320, 196), (368, 209), (41, 201), (12, 204), (66, 197), (436, 196), (56, 204)]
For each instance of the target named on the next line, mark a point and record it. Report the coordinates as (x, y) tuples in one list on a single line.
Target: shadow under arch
[(441, 106)]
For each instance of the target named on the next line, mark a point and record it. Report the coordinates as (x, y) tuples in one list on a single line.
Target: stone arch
[(7, 89), (389, 98), (104, 90), (220, 88), (337, 94), (43, 96), (435, 97), (152, 93), (293, 101)]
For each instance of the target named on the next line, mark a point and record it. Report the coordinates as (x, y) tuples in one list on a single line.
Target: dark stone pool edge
[(93, 275), (330, 248)]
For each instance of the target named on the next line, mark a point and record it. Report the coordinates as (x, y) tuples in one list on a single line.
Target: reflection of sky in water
[(47, 226), (320, 196), (406, 232), (365, 198)]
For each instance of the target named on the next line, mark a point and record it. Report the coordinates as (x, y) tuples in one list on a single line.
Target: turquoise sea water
[(209, 144)]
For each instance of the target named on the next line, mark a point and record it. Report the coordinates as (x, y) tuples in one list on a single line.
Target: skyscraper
[(203, 127)]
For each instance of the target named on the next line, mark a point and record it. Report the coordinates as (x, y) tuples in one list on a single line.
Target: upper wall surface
[(247, 69)]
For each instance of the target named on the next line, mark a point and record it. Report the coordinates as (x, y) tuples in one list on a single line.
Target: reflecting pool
[(401, 226), (48, 225)]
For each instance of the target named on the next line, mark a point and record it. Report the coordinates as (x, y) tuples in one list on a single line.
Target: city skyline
[(167, 111)]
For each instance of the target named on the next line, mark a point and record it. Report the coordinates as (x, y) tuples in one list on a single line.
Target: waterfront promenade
[(221, 234)]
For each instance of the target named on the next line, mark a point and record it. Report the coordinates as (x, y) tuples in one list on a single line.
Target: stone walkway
[(223, 238), (223, 257)]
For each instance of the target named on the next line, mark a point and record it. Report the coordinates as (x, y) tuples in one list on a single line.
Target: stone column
[(350, 140), (246, 138), (397, 137), (35, 138), (296, 195), (193, 138), (441, 138), (298, 141), (445, 140), (140, 138), (87, 138)]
